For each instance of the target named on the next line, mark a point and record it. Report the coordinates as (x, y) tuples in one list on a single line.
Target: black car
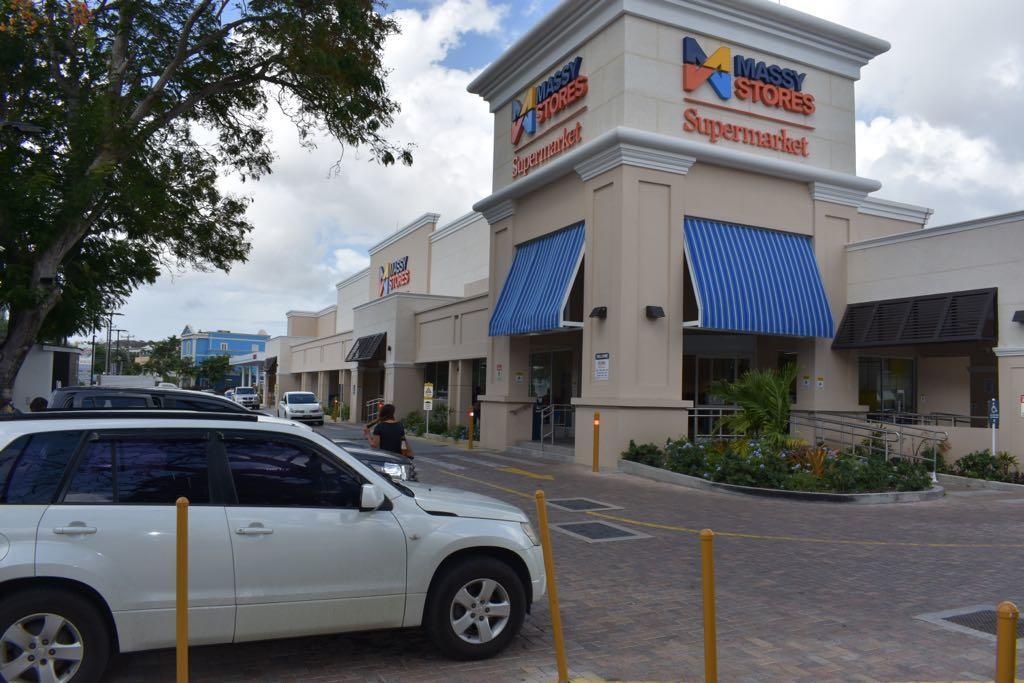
[(398, 467), (128, 398)]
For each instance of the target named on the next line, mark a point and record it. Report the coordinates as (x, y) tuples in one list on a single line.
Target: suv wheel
[(475, 609), (51, 635)]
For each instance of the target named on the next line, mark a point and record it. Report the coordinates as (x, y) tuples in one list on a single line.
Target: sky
[(938, 121)]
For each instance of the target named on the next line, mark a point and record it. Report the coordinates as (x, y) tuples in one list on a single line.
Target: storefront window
[(551, 376), (887, 384), (437, 374)]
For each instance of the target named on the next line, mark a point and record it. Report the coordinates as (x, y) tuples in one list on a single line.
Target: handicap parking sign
[(993, 412)]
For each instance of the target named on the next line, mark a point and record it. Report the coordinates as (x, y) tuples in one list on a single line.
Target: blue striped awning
[(754, 280), (537, 288)]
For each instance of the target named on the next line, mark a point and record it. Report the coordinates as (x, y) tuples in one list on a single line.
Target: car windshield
[(241, 391), (301, 398)]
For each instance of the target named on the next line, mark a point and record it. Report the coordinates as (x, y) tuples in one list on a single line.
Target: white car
[(289, 536), (301, 406), (246, 396)]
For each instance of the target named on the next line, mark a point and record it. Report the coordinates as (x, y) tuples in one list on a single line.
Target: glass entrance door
[(554, 381), (712, 370), (887, 384)]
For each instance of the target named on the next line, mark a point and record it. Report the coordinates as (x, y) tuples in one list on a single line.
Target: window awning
[(537, 289), (365, 348), (935, 318), (754, 280)]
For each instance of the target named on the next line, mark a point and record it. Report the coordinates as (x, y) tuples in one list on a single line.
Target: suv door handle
[(254, 530), (74, 529)]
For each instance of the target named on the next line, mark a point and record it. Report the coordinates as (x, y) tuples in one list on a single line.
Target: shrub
[(763, 398), (984, 465), (439, 419), (414, 423), (645, 454), (346, 412), (459, 432)]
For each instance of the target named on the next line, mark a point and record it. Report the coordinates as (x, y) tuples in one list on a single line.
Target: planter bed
[(972, 483), (884, 497)]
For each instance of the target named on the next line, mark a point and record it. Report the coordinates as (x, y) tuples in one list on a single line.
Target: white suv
[(289, 535)]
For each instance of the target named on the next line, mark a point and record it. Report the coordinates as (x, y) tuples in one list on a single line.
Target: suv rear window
[(32, 466)]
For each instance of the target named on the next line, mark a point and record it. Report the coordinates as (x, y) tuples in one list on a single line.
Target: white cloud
[(312, 228)]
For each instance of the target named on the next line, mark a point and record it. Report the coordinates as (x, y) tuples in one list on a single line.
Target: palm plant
[(763, 399)]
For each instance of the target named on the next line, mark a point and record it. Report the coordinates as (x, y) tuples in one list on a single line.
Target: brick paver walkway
[(809, 610)]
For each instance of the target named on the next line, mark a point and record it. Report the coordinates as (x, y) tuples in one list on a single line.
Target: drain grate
[(975, 620), (598, 532), (982, 620), (581, 504)]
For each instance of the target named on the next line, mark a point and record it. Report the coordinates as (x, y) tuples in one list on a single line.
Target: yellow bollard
[(549, 569), (469, 445), (707, 540), (597, 439), (1006, 642), (181, 592)]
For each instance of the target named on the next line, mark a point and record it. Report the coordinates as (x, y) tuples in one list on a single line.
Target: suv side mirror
[(370, 498)]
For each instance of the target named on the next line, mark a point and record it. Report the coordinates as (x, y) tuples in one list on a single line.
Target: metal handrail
[(372, 408), (551, 413)]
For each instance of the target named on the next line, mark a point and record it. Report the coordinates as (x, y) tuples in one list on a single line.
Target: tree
[(186, 370), (136, 108), (165, 358), (763, 397), (214, 369)]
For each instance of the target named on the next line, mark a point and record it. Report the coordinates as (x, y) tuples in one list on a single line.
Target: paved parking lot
[(806, 592)]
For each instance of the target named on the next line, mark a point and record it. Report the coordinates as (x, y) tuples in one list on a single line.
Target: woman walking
[(388, 433)]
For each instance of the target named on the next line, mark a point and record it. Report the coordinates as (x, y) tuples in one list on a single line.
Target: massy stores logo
[(542, 101), (746, 78)]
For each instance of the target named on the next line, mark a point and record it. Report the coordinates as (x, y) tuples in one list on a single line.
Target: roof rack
[(161, 414)]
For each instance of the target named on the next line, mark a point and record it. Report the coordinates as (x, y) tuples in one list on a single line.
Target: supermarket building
[(674, 201)]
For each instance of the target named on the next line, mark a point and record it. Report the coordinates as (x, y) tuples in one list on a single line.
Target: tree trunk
[(22, 331)]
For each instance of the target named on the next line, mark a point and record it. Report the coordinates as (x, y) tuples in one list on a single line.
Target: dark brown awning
[(934, 318), (365, 348)]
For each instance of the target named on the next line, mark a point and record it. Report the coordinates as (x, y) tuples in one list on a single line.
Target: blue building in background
[(202, 344)]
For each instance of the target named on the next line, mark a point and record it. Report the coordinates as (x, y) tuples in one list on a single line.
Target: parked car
[(398, 467), (106, 398), (88, 567), (230, 394), (246, 396), (302, 406)]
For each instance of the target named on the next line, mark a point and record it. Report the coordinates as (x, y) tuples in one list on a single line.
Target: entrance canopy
[(365, 348), (537, 289), (754, 280), (968, 316)]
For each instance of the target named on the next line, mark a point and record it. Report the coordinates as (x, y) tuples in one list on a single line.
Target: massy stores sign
[(538, 105), (728, 76), (393, 275)]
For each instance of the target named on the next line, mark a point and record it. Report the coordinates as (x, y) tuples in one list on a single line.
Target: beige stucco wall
[(944, 385), (352, 292), (322, 353), (453, 331), (415, 245), (634, 70), (301, 324), (459, 258)]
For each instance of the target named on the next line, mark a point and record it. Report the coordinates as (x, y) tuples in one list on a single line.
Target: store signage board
[(780, 90), (393, 275), (538, 105)]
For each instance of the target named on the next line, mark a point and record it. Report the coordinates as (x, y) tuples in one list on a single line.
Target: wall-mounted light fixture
[(599, 312), (1018, 316), (654, 312)]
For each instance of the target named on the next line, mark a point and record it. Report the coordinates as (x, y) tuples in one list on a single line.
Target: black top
[(391, 435)]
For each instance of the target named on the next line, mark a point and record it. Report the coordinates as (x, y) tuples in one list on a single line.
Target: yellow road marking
[(805, 539), (525, 473), (493, 486)]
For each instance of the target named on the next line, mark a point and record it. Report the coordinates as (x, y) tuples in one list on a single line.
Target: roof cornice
[(940, 230), (365, 272), (425, 219), (636, 141), (760, 25), (456, 225)]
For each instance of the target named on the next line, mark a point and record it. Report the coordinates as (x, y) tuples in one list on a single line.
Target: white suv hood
[(464, 504)]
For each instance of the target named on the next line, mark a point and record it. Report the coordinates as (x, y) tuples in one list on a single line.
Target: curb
[(883, 498), (972, 483)]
